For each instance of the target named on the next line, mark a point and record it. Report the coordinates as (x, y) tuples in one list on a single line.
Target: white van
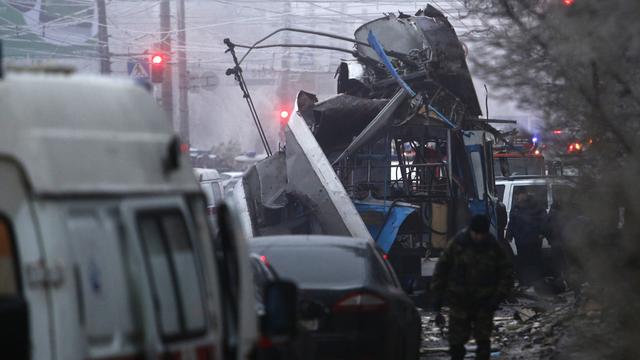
[(103, 233), (541, 188), (212, 185)]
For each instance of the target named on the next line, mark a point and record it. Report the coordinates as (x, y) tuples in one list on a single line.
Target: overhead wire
[(123, 34)]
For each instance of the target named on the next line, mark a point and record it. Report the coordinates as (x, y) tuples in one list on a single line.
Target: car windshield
[(307, 264)]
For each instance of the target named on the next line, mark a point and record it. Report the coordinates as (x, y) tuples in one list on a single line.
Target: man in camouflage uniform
[(474, 275)]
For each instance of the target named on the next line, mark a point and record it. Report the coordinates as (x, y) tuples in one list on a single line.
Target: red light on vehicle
[(537, 152), (557, 132), (157, 59), (264, 260), (575, 147), (385, 256), (265, 343), (568, 2)]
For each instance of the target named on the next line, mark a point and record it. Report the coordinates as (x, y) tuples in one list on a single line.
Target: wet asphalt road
[(527, 328)]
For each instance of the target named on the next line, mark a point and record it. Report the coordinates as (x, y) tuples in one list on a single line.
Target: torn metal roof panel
[(431, 45)]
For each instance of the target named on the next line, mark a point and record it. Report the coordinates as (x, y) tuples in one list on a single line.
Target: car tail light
[(360, 302), (265, 343)]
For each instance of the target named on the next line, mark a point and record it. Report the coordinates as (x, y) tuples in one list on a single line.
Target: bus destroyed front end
[(404, 138)]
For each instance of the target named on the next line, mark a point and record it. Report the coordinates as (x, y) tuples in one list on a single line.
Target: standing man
[(502, 220), (474, 275), (526, 224), (556, 221)]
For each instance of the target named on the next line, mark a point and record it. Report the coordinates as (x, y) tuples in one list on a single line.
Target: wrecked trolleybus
[(405, 138)]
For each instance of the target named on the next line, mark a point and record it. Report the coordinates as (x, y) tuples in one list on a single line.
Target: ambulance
[(105, 247)]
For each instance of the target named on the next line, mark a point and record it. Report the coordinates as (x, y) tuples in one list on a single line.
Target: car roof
[(305, 240), (78, 134), (206, 174), (523, 181)]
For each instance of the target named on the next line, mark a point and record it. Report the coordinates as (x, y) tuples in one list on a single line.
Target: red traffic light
[(157, 63), (283, 114), (157, 59)]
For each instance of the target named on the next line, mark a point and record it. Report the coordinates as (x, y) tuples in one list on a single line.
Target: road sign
[(138, 69)]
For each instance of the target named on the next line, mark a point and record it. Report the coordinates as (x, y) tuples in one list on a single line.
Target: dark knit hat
[(479, 224)]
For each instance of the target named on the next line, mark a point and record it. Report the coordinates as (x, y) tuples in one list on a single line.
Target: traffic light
[(284, 117), (157, 63)]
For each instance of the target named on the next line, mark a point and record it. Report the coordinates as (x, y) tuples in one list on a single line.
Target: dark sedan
[(350, 300)]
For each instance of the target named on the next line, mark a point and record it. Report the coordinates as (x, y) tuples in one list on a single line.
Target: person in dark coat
[(474, 275), (527, 222), (502, 220), (557, 219)]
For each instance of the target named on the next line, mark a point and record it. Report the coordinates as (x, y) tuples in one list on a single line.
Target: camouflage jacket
[(473, 276)]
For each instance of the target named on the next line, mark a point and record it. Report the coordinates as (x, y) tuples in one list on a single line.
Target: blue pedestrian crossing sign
[(138, 69)]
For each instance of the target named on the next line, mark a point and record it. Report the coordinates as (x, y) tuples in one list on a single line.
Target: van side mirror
[(14, 327), (280, 304)]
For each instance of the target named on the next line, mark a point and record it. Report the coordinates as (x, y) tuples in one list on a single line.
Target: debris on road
[(528, 328)]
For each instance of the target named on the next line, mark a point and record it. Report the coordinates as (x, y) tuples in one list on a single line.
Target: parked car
[(350, 303), (230, 178), (212, 185), (259, 308), (281, 348)]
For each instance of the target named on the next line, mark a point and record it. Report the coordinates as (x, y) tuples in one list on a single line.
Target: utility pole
[(283, 92), (165, 47), (183, 86), (286, 56), (103, 38)]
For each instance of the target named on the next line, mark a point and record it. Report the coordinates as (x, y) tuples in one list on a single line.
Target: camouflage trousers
[(462, 324)]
